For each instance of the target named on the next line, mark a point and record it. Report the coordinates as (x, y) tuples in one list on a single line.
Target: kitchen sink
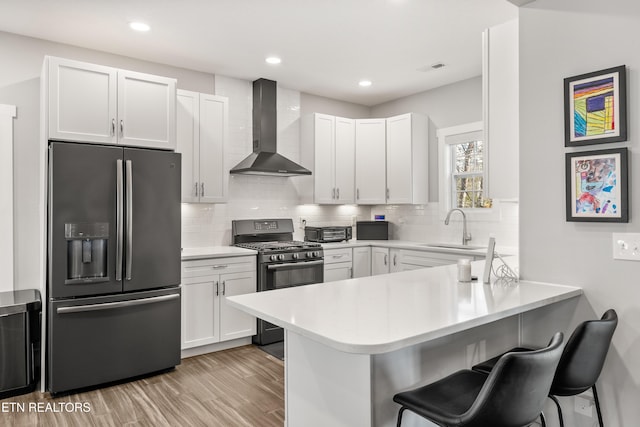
[(452, 246)]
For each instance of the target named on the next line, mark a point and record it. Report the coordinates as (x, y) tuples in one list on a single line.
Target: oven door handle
[(295, 264)]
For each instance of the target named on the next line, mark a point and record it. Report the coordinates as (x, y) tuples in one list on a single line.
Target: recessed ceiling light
[(273, 60), (365, 83), (139, 26)]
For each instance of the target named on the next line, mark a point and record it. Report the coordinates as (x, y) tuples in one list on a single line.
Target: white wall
[(319, 104), (558, 40), (449, 105), (7, 115)]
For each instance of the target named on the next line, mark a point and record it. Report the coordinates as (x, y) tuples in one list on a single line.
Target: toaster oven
[(327, 234)]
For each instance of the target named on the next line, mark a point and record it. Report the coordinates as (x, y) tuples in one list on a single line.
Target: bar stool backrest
[(584, 355), (514, 392)]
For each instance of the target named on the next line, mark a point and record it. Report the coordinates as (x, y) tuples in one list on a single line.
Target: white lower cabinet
[(412, 260), (362, 261), (379, 260), (394, 260), (337, 264), (206, 316)]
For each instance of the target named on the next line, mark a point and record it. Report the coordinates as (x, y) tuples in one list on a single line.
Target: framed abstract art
[(596, 183), (595, 107)]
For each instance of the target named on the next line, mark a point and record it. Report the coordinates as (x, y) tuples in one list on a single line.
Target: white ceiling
[(326, 46)]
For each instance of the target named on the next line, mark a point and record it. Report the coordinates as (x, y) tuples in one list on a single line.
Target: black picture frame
[(597, 187), (595, 107)]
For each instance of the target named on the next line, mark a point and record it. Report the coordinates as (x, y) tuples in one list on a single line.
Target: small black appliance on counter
[(327, 234), (372, 230), (19, 341)]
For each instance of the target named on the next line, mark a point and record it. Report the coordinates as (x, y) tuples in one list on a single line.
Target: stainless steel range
[(282, 262)]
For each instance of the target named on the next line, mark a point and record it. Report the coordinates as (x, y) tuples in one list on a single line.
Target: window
[(463, 168), (467, 176)]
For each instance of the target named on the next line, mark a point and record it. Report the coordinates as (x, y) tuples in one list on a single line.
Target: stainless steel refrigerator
[(113, 264)]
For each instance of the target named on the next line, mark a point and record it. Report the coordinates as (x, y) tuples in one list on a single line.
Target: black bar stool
[(512, 395), (581, 361)]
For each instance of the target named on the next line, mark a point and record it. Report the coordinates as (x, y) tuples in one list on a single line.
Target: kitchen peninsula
[(351, 344)]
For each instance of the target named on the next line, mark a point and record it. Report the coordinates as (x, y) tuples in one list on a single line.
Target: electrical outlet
[(354, 218), (583, 406), (626, 246)]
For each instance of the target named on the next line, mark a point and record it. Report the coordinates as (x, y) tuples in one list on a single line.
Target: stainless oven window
[(293, 274)]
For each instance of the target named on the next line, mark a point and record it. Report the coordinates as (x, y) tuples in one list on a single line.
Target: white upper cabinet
[(82, 101), (407, 159), (202, 131), (370, 161), (331, 142), (93, 103), (188, 143), (501, 108), (146, 110), (345, 160)]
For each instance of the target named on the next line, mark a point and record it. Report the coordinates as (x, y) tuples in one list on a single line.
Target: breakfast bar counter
[(350, 345)]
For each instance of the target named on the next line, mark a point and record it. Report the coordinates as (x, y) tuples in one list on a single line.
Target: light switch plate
[(626, 246)]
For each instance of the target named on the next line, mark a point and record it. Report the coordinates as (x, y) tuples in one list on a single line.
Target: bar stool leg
[(400, 416), (595, 398), (555, 400), (543, 422)]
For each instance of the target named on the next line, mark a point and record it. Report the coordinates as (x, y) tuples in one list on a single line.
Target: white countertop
[(214, 252), (230, 251), (379, 314), (404, 244)]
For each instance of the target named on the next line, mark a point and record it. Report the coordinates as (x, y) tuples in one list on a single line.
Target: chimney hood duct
[(265, 160)]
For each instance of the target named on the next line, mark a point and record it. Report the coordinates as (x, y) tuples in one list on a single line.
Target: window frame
[(445, 166)]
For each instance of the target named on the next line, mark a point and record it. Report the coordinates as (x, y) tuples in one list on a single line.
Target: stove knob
[(309, 254), (295, 256), (316, 253), (281, 257), (273, 258)]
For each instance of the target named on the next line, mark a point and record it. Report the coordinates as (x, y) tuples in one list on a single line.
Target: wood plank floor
[(238, 387)]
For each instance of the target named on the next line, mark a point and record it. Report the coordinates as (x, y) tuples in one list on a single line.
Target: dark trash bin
[(19, 341)]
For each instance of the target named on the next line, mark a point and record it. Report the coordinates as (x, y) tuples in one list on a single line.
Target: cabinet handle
[(357, 194), (385, 259), (218, 266), (337, 256), (121, 128), (217, 293), (338, 193), (113, 127), (202, 189), (394, 259), (224, 287), (351, 273), (387, 193), (333, 193), (196, 189)]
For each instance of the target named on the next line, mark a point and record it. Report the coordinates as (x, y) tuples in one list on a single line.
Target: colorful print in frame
[(596, 184), (595, 107)]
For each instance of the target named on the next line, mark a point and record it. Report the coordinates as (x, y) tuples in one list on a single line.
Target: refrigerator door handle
[(114, 305), (129, 262), (119, 223)]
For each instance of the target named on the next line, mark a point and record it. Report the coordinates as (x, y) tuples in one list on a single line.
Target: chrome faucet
[(466, 237)]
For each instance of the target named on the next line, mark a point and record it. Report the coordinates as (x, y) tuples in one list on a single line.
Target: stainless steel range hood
[(265, 160)]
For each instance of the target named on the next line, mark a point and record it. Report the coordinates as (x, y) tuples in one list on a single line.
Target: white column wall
[(560, 39)]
